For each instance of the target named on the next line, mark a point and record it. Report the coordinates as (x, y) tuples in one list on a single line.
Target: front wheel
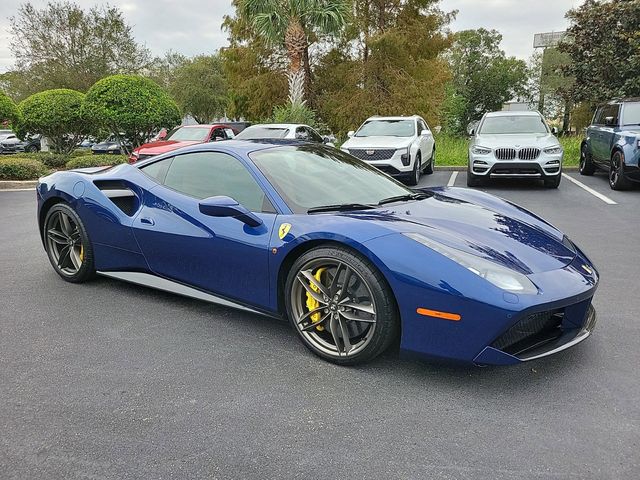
[(429, 168), (617, 180), (67, 244), (473, 180), (340, 306), (414, 176), (32, 149), (586, 162)]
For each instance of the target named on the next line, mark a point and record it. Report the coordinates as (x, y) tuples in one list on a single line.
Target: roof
[(278, 125), (622, 100), (512, 113), (200, 125), (396, 117)]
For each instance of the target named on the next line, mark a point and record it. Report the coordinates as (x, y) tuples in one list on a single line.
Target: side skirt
[(159, 283)]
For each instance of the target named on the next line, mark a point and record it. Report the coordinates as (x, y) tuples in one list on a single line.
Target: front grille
[(528, 153), (505, 153), (389, 170), (372, 154), (530, 332)]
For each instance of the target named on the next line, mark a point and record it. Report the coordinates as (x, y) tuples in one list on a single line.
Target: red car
[(182, 137)]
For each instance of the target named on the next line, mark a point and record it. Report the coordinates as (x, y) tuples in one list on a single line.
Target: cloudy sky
[(193, 26)]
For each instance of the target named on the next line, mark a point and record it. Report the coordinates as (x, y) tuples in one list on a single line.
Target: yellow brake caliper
[(81, 253), (312, 303)]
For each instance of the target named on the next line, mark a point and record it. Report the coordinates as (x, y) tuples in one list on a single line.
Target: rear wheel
[(617, 180), (67, 244), (586, 162), (340, 306), (32, 149)]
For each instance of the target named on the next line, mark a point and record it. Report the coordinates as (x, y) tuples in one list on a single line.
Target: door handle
[(147, 221)]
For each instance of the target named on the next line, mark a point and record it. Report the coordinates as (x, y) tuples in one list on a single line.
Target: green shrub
[(51, 160), (95, 161), (294, 113), (16, 168), (8, 109)]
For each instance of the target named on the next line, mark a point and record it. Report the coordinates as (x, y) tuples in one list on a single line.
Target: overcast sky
[(192, 27)]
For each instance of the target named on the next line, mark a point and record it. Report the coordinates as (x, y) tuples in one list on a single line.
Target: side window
[(208, 174), (218, 134), (420, 127), (611, 112), (302, 134), (157, 170), (315, 136)]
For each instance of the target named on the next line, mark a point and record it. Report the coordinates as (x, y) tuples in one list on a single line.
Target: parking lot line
[(452, 180), (602, 197)]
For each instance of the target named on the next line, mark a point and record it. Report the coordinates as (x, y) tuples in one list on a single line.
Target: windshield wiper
[(342, 207), (404, 198)]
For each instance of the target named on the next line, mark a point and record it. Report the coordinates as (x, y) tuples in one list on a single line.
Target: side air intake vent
[(120, 194)]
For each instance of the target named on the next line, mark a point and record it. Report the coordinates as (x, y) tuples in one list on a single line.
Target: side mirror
[(554, 130), (472, 132), (162, 135), (350, 133), (222, 206), (425, 133)]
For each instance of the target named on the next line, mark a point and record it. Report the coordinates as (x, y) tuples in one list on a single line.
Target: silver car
[(514, 144)]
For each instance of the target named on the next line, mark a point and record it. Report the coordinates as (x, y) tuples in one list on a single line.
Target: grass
[(453, 150)]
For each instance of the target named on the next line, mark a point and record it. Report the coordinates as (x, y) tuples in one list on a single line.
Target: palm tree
[(290, 23)]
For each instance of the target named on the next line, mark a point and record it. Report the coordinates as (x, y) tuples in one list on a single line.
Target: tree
[(200, 88), (483, 77), (163, 70), (603, 42), (294, 24), (58, 115), (64, 46), (8, 110), (131, 107)]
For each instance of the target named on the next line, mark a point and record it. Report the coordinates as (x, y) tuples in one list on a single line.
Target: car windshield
[(631, 113), (314, 176), (505, 124), (259, 131), (387, 128), (189, 134)]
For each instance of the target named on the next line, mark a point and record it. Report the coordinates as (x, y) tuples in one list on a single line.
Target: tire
[(365, 313), (553, 182), (67, 244), (428, 170), (32, 149), (617, 180), (587, 167), (473, 180), (414, 177)]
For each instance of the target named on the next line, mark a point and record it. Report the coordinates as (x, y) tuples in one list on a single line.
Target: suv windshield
[(313, 176), (631, 113), (194, 134), (513, 124), (387, 128), (257, 132)]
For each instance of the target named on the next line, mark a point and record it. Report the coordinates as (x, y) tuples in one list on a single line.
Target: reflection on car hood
[(156, 148), (378, 142), (480, 224), (540, 140)]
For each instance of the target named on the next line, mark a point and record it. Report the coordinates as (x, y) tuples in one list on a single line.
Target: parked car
[(9, 143), (613, 143), (402, 147), (352, 258), (514, 144), (31, 143), (282, 130), (110, 146), (181, 137)]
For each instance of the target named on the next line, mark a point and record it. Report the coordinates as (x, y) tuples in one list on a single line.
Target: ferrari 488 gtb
[(351, 257)]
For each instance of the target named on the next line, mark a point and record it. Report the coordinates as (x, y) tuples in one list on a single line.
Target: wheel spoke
[(345, 284), (354, 318), (313, 325), (333, 328), (75, 258), (308, 314), (315, 295), (345, 336), (361, 307), (57, 236), (64, 256), (65, 225), (307, 274), (334, 282)]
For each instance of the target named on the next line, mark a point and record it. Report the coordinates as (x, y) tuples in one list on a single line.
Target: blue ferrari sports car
[(354, 259)]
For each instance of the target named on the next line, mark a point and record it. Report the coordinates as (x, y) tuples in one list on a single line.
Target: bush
[(86, 161), (16, 168), (294, 113), (51, 160), (56, 114), (8, 109)]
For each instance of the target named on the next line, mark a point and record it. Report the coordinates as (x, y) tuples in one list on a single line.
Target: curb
[(18, 184)]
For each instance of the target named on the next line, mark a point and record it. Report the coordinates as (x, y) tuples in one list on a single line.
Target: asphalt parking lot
[(112, 380)]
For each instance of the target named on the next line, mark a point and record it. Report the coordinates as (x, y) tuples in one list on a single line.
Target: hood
[(157, 148), (485, 226), (378, 142), (540, 140), (104, 145)]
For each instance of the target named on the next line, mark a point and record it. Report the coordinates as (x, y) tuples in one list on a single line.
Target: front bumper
[(392, 165), (488, 166)]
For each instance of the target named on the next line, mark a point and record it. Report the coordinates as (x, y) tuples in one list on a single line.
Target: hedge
[(16, 168), (95, 161), (51, 160)]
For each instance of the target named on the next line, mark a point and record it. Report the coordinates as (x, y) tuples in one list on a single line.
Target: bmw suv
[(402, 147), (513, 144)]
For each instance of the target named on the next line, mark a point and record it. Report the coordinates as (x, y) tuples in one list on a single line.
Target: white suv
[(399, 146)]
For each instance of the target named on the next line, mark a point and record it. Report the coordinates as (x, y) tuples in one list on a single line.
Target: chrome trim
[(516, 175), (160, 283)]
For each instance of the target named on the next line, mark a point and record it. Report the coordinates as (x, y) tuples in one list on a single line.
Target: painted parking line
[(452, 180), (602, 197)]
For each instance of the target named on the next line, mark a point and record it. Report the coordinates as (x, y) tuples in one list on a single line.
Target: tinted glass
[(157, 170), (631, 113), (611, 112), (186, 134), (208, 174), (387, 128), (258, 131), (513, 124), (308, 176), (315, 136)]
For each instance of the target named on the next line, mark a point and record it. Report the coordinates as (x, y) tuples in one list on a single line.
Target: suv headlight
[(556, 149), (480, 150), (501, 277), (404, 156)]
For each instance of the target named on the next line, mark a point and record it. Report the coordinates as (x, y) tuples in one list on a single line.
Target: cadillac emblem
[(370, 152)]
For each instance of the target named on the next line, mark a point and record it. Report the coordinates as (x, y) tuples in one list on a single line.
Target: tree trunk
[(295, 41)]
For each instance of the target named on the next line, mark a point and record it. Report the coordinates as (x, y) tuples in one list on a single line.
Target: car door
[(218, 254), (601, 134)]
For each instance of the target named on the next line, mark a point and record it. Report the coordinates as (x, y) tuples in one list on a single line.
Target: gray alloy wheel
[(414, 176), (67, 244), (617, 180), (586, 162), (32, 149), (340, 306), (428, 169)]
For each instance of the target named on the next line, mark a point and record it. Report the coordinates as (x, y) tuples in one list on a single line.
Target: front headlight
[(480, 150), (501, 277), (555, 150)]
